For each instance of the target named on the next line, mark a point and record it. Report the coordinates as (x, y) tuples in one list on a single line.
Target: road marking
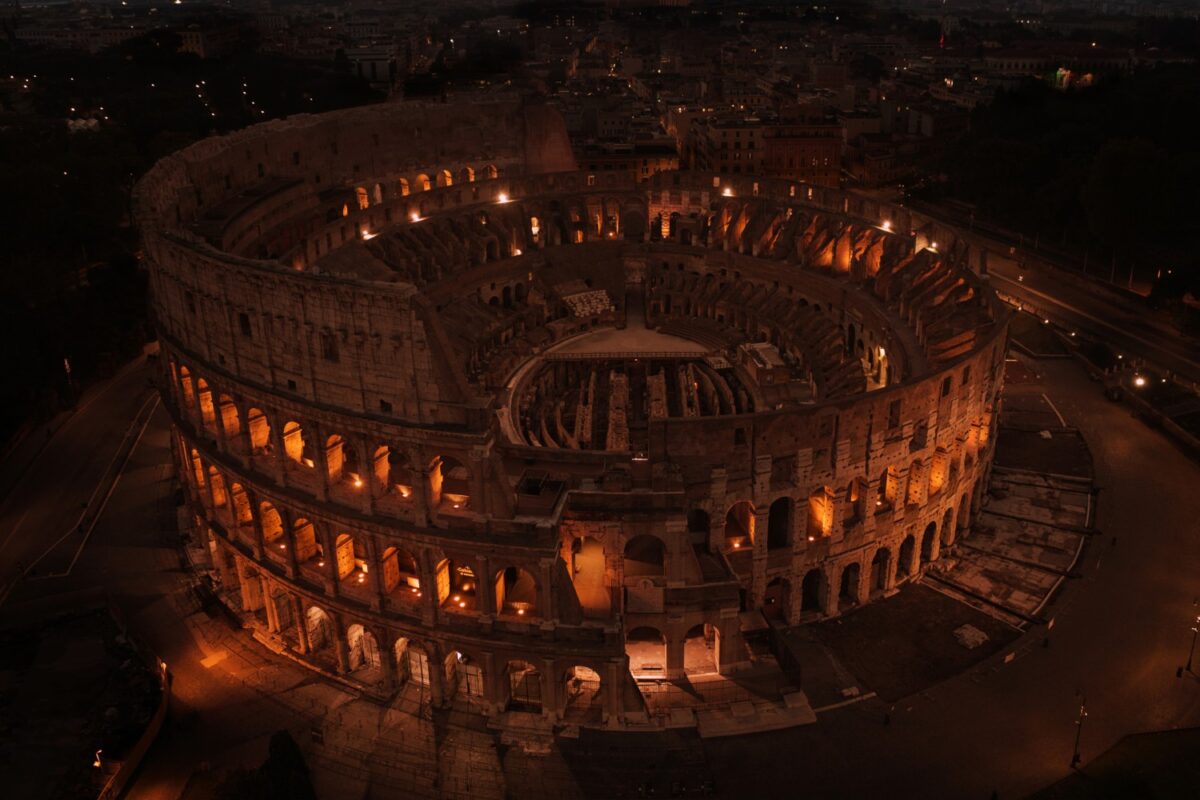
[(76, 415), (151, 401), (1104, 323), (1054, 408), (844, 703)]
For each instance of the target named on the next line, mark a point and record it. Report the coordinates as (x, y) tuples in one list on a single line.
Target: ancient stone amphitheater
[(456, 419)]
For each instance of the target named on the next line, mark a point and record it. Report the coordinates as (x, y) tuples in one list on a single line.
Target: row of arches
[(392, 479), (855, 502), (386, 660), (362, 567)]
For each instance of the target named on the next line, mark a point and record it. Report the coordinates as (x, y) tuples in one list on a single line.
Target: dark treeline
[(1110, 170), (70, 287)]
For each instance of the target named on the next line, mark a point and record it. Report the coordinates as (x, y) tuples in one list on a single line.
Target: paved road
[(49, 500), (1124, 325), (1120, 632)]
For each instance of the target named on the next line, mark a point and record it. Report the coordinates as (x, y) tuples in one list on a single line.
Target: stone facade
[(354, 311)]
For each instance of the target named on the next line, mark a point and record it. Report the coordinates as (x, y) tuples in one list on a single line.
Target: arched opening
[(779, 524), (515, 592), (583, 701), (848, 591), (377, 193), (320, 629), (231, 423), (393, 475), (445, 178), (423, 184), (776, 599), (645, 556), (399, 574), (856, 507), (216, 486), (524, 687), (449, 483), (820, 513), (490, 172), (588, 571), (307, 546), (699, 646), (294, 444), (466, 175), (242, 514), (456, 585), (360, 197), (647, 651), (187, 391), (208, 413), (260, 431), (927, 541), (879, 569), (889, 487), (412, 662), (464, 678), (948, 528), (348, 563), (916, 483), (341, 462), (739, 525), (904, 562), (272, 526), (811, 592), (402, 185), (363, 648)]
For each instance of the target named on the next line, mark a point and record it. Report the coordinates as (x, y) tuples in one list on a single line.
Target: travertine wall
[(339, 425)]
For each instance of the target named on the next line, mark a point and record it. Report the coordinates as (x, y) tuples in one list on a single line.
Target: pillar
[(339, 642), (485, 594), (758, 582), (375, 573), (329, 548), (674, 652), (269, 605), (303, 645)]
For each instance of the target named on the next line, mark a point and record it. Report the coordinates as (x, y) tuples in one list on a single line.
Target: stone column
[(552, 690), (484, 592), (366, 473), (758, 582), (615, 673), (260, 542), (321, 463), (829, 592), (387, 659), (339, 643), (329, 547), (375, 573), (289, 538), (546, 589), (303, 645), (675, 643), (278, 463), (269, 605), (495, 692)]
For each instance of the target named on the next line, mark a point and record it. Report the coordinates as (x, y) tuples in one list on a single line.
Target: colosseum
[(457, 419)]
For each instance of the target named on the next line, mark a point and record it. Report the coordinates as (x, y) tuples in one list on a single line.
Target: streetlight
[(1075, 757), (1188, 667)]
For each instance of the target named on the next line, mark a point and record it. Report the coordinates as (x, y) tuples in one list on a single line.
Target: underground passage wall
[(408, 469)]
